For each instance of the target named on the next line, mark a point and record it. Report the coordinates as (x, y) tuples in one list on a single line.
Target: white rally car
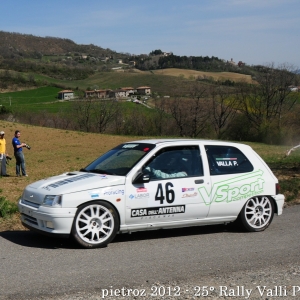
[(155, 184)]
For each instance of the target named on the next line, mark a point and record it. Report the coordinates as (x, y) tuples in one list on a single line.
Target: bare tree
[(63, 119), (223, 108), (118, 121), (178, 112), (198, 110), (103, 113), (160, 116), (82, 111), (264, 103), (137, 122), (191, 113)]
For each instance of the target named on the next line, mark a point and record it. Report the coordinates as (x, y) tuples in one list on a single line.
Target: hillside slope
[(25, 45)]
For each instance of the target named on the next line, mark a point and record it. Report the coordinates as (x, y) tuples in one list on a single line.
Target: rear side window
[(227, 160)]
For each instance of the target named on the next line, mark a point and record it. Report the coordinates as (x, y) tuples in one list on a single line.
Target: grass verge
[(7, 208)]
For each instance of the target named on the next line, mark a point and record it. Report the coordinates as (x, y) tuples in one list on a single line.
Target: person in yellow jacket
[(3, 155)]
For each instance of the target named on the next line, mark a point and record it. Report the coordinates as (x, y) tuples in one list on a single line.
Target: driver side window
[(175, 162)]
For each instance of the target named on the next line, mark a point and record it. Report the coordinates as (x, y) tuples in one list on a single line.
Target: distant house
[(97, 94), (121, 93), (129, 90), (144, 90), (293, 88), (65, 95), (231, 62)]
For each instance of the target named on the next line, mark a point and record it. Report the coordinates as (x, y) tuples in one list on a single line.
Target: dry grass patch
[(222, 76), (53, 151)]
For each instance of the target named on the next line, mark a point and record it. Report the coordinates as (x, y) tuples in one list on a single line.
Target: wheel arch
[(275, 204), (269, 197)]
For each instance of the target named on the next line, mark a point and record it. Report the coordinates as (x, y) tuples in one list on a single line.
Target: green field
[(45, 99), (32, 96), (40, 99)]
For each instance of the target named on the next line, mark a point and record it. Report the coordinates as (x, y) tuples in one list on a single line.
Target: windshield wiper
[(99, 171)]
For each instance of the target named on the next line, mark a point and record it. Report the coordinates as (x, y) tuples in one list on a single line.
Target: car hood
[(74, 182)]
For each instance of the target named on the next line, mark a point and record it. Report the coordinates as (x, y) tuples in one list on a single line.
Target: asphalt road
[(32, 265)]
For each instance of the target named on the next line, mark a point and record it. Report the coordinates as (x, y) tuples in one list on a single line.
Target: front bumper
[(49, 220), (279, 200)]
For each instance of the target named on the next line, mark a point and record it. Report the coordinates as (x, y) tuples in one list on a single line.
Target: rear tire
[(95, 224), (257, 214)]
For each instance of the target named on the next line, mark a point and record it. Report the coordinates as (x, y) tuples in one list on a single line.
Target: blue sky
[(253, 31)]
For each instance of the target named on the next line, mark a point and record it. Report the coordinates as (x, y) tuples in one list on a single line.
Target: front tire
[(257, 213), (95, 224)]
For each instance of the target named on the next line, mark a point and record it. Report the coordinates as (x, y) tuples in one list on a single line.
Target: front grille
[(29, 203), (30, 219)]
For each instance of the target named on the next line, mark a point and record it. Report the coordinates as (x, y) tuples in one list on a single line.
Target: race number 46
[(167, 194)]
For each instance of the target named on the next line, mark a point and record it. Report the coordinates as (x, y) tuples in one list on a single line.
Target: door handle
[(199, 181)]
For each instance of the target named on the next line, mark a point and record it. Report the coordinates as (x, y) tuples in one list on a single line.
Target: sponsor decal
[(249, 185), (67, 181), (94, 194), (114, 192), (187, 190), (139, 196), (102, 176), (226, 162), (141, 190), (156, 211), (187, 195), (226, 158), (130, 145)]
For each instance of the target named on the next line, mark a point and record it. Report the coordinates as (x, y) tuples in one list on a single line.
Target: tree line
[(64, 70), (156, 60)]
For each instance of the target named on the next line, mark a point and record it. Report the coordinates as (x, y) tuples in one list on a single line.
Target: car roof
[(186, 141)]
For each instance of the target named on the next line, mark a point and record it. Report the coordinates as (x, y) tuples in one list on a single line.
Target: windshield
[(120, 160)]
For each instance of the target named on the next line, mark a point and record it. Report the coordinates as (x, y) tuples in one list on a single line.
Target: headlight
[(52, 200)]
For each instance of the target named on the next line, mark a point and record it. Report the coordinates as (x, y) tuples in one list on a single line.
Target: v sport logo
[(249, 185)]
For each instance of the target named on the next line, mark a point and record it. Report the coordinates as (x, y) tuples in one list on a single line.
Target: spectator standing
[(3, 155), (18, 153)]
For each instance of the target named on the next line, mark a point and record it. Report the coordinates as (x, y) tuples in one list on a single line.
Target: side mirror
[(141, 178)]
